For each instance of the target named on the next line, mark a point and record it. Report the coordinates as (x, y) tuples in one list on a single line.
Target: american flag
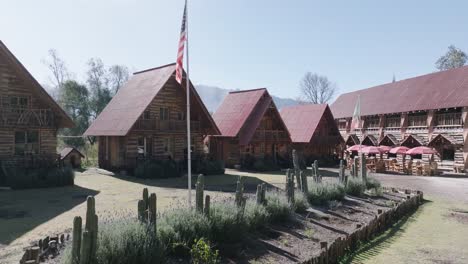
[(180, 52)]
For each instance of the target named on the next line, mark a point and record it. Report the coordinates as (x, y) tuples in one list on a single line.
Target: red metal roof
[(241, 112), (119, 116), (303, 120), (445, 89)]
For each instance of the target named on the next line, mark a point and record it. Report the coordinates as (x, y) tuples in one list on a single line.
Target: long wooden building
[(429, 110), (146, 119), (251, 127), (313, 130), (29, 117)]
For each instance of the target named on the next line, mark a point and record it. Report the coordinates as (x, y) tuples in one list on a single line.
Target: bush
[(278, 207), (255, 216), (211, 167), (300, 202), (21, 178), (355, 187), (227, 224), (183, 226), (157, 169), (321, 193), (202, 253), (372, 183)]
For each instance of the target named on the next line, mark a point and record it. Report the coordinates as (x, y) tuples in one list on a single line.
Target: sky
[(241, 44)]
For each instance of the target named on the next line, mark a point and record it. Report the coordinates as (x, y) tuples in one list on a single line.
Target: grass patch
[(355, 187), (322, 193)]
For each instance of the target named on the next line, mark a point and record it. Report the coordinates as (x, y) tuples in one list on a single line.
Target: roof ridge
[(155, 68), (250, 90), (407, 79)]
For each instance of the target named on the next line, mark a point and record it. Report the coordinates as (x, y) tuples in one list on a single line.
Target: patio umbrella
[(371, 150), (399, 150), (421, 150), (385, 149), (355, 148)]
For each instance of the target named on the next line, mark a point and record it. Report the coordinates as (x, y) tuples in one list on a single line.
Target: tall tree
[(59, 72), (454, 58), (117, 76), (74, 99), (98, 83), (316, 89)]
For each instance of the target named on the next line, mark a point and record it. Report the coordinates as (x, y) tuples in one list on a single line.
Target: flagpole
[(187, 81)]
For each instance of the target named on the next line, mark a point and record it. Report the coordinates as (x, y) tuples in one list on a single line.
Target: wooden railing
[(270, 135), (166, 125), (12, 117)]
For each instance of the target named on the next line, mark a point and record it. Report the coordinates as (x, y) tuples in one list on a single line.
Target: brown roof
[(119, 116), (67, 150), (303, 120), (241, 112), (445, 89), (63, 119)]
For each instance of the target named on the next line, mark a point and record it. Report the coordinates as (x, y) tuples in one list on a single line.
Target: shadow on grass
[(23, 210), (218, 183), (373, 247)]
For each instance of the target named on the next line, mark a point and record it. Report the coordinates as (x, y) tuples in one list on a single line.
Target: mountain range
[(213, 96)]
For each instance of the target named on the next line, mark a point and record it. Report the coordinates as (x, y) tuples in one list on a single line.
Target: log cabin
[(313, 130), (251, 127), (428, 110), (29, 117), (146, 119)]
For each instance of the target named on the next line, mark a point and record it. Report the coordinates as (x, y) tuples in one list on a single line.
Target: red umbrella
[(371, 150), (355, 148), (421, 150), (385, 149), (399, 150)]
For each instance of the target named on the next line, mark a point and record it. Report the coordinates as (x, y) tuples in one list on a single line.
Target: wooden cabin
[(71, 157), (313, 130), (146, 119), (428, 110), (29, 117), (251, 129)]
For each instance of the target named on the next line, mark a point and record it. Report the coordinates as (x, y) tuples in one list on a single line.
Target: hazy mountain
[(213, 97)]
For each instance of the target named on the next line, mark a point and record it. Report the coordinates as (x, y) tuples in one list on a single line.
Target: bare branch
[(316, 89)]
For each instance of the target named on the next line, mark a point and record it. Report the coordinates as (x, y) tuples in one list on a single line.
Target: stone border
[(331, 252)]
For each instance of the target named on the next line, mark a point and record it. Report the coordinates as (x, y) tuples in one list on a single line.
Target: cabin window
[(342, 124), (147, 114), (181, 116), (164, 113), (392, 121), (449, 119), (26, 142), (168, 146), (141, 146), (19, 102), (372, 122), (417, 120)]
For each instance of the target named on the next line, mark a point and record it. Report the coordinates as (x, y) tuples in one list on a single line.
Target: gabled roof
[(389, 137), (445, 89), (63, 119), (241, 112), (371, 139), (67, 150), (303, 120), (119, 116)]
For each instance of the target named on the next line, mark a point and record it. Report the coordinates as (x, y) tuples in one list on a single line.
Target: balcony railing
[(270, 135), (166, 125), (12, 117)]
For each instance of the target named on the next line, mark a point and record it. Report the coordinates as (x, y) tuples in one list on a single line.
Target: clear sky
[(242, 44)]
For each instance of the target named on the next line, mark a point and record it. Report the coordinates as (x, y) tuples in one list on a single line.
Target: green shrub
[(202, 253), (226, 222), (300, 203), (157, 169), (372, 183), (355, 187), (255, 216), (183, 226), (211, 167), (321, 193), (21, 178), (278, 207)]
